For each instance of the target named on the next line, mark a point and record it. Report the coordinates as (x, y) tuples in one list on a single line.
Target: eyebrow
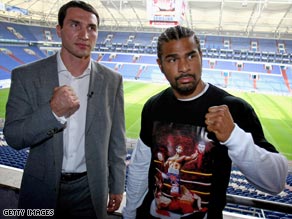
[(93, 25), (193, 52), (175, 55), (74, 21), (79, 22)]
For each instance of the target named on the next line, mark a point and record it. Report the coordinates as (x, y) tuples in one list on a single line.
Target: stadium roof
[(245, 18)]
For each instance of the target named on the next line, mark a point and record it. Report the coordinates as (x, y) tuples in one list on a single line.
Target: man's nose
[(183, 65), (83, 33)]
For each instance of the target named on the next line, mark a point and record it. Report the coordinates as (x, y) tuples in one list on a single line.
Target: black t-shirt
[(190, 170)]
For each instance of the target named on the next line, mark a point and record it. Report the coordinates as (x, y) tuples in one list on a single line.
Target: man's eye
[(74, 25), (92, 28), (191, 56), (172, 60)]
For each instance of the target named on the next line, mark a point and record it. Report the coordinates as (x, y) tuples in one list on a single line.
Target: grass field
[(274, 111)]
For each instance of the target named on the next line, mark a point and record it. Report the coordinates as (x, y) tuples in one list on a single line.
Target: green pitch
[(3, 100), (274, 111)]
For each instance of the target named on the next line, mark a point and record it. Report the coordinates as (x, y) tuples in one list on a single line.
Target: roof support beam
[(282, 19), (220, 16)]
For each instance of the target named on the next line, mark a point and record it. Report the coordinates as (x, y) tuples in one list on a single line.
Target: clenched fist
[(64, 101), (219, 120), (114, 202)]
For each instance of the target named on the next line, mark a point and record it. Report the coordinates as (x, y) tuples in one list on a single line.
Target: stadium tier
[(112, 40), (260, 65), (225, 73)]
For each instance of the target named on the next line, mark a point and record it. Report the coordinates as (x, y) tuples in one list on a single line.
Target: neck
[(75, 65)]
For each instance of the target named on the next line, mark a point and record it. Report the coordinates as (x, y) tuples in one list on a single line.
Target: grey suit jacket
[(30, 123)]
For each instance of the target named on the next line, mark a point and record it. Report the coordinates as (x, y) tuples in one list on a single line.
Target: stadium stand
[(258, 65), (22, 44)]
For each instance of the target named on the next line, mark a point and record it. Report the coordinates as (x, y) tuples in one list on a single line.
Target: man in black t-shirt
[(215, 129)]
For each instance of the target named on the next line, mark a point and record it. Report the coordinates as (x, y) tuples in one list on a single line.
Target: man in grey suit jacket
[(69, 110)]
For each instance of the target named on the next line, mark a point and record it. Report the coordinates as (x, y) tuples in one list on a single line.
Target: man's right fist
[(64, 101)]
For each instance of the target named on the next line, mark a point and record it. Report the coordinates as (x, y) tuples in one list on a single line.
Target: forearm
[(24, 130), (264, 169), (29, 118), (137, 181)]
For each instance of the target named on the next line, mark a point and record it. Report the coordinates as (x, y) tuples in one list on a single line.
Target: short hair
[(175, 33), (75, 4)]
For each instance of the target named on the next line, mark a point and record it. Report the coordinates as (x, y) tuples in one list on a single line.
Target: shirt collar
[(197, 96)]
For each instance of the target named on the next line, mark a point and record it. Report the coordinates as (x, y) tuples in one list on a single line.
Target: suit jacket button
[(50, 132)]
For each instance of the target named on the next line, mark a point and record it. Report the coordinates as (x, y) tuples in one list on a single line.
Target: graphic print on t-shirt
[(182, 157)]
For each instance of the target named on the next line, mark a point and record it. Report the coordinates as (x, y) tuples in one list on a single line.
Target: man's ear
[(201, 55), (58, 30), (159, 64)]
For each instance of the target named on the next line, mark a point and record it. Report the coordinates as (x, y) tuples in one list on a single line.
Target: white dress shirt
[(74, 133)]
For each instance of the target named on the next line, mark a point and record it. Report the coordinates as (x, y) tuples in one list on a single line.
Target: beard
[(185, 89)]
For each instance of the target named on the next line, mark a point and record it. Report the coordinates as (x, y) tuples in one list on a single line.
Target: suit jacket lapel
[(49, 77), (94, 89)]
